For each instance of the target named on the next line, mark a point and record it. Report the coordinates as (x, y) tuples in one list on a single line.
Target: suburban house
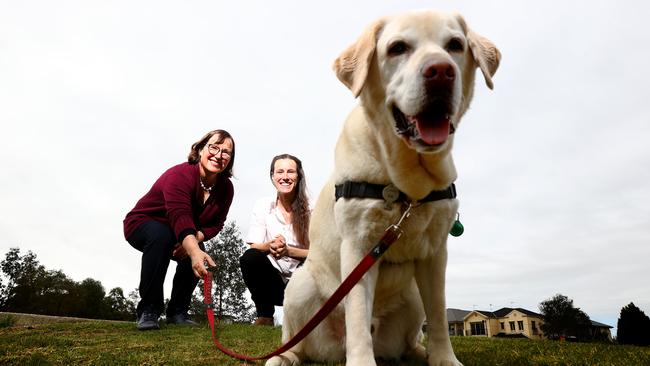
[(456, 319), (505, 322), (601, 331)]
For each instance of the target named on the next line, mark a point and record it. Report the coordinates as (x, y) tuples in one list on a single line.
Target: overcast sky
[(98, 98)]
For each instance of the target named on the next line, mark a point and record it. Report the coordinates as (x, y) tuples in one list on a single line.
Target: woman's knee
[(252, 258), (153, 234), (161, 234)]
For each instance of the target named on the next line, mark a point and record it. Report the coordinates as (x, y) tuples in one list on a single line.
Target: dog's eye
[(397, 48), (455, 45)]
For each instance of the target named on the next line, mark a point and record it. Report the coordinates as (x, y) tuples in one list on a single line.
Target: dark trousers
[(156, 242), (263, 281)]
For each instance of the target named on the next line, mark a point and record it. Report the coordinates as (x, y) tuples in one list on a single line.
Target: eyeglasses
[(215, 150)]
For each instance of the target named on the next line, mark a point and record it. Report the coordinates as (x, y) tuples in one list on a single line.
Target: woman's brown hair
[(300, 207), (194, 157)]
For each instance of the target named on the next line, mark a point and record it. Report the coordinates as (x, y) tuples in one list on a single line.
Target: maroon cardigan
[(176, 199)]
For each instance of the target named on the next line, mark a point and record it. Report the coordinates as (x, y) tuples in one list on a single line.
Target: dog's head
[(418, 69)]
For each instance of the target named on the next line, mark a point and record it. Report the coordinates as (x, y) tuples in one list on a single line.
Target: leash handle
[(391, 235)]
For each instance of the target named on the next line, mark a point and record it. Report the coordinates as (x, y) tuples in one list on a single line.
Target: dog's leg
[(398, 333), (294, 310), (430, 277), (303, 298), (358, 307)]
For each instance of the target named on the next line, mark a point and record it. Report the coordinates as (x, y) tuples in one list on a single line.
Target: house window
[(534, 327), (503, 325), (478, 328), (520, 323), (512, 326)]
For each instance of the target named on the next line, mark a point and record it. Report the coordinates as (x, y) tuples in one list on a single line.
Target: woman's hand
[(179, 252), (278, 246), (198, 257)]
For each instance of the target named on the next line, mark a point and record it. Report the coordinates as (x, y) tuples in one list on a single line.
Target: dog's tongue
[(432, 132)]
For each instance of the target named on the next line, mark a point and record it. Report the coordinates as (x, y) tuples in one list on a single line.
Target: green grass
[(119, 343), (7, 320)]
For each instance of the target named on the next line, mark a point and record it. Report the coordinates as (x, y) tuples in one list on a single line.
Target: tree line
[(26, 286), (562, 319)]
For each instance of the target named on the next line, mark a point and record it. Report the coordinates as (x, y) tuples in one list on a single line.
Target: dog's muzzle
[(431, 127)]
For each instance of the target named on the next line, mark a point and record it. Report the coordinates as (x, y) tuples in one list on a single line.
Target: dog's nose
[(439, 73)]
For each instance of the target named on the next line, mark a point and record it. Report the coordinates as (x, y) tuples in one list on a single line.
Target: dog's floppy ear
[(352, 65), (485, 54)]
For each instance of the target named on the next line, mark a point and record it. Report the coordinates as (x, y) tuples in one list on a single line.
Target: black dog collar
[(388, 193)]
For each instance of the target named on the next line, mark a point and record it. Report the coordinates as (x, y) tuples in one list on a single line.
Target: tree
[(56, 290), (228, 290), (90, 299), (632, 327), (119, 306), (3, 294), (561, 318), (25, 282), (133, 300), (30, 288)]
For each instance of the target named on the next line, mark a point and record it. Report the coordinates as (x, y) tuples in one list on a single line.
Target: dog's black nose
[(439, 74)]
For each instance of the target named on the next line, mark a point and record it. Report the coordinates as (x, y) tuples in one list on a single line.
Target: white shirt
[(267, 222)]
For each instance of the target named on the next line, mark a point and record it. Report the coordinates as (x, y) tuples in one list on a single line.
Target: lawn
[(119, 343)]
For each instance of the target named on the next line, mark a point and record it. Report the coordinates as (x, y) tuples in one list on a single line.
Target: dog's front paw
[(417, 353), (443, 360), (285, 359), (366, 360)]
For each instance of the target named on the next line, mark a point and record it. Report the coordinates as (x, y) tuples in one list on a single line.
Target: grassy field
[(119, 343)]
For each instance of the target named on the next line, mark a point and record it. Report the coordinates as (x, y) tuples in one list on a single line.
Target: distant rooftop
[(505, 311), (456, 315), (600, 325)]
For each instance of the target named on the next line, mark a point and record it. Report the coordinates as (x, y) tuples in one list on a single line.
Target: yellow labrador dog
[(414, 74)]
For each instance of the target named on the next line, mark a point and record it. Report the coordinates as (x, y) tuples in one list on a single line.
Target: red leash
[(390, 236)]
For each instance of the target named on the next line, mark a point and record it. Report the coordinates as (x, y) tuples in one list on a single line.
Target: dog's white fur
[(383, 314)]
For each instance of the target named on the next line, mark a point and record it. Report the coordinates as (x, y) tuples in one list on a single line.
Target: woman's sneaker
[(148, 321), (181, 319), (265, 321)]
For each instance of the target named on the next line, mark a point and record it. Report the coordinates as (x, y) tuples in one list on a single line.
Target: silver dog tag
[(391, 195)]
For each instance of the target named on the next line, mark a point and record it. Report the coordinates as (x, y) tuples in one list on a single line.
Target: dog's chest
[(424, 232)]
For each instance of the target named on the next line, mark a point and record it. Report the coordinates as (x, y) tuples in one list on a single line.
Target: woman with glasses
[(186, 206), (278, 237)]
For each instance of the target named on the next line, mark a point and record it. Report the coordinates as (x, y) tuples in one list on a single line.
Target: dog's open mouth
[(431, 127)]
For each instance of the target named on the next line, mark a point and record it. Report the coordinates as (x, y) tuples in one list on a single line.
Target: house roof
[(505, 311), (488, 314), (600, 325), (456, 315)]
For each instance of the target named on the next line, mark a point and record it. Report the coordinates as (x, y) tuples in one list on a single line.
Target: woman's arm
[(297, 253), (264, 247), (257, 231), (180, 252), (198, 256)]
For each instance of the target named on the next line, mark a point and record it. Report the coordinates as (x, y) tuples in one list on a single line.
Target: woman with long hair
[(278, 237)]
